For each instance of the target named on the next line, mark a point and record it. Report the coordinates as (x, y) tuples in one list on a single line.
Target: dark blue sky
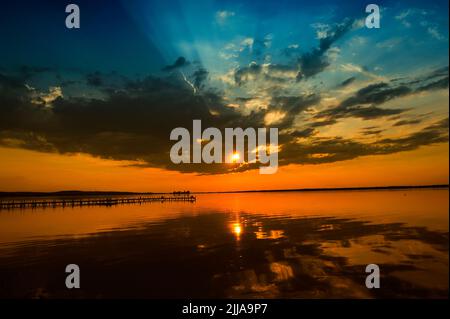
[(142, 36)]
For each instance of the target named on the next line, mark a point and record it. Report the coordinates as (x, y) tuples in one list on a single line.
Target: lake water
[(247, 245)]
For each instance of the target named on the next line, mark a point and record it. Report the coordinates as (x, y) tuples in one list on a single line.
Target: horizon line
[(310, 189), (318, 189)]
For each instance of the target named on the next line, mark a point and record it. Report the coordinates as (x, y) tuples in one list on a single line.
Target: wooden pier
[(109, 201)]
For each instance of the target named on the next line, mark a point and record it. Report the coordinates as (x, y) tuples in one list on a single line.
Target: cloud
[(291, 106), (348, 81), (407, 122), (133, 121), (389, 44), (376, 94), (409, 16), (132, 124), (179, 63), (434, 85), (265, 72), (434, 32), (365, 102), (366, 113), (273, 118), (223, 16), (200, 76), (372, 131), (315, 61), (54, 93), (304, 65), (435, 133), (326, 150), (307, 132), (322, 122)]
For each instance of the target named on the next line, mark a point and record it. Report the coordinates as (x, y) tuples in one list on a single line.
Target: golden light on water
[(236, 228)]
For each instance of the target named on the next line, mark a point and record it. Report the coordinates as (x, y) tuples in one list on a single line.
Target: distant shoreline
[(118, 193), (331, 189)]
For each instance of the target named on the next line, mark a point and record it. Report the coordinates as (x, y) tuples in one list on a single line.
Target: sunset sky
[(93, 108)]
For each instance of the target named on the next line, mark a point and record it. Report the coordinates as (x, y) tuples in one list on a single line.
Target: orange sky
[(23, 170)]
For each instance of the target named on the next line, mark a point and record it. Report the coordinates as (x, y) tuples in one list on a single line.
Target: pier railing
[(108, 201)]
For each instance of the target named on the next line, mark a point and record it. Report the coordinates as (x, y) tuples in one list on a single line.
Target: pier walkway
[(109, 201)]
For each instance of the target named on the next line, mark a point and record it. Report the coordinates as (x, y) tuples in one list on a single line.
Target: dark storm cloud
[(179, 63), (307, 132), (134, 121), (435, 85), (292, 106), (441, 72), (435, 80), (372, 132), (314, 62), (327, 150), (200, 76), (348, 81), (376, 94), (132, 124), (435, 133), (407, 122), (365, 102), (366, 113), (322, 123)]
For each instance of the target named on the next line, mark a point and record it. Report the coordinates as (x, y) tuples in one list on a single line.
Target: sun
[(235, 157)]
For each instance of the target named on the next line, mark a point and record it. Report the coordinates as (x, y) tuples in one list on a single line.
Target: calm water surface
[(255, 245)]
